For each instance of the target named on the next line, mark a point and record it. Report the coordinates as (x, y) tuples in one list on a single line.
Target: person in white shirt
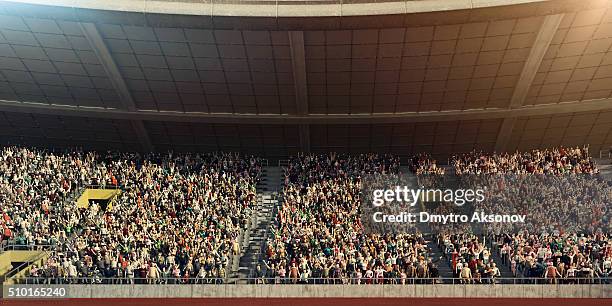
[(358, 276), (466, 275), (369, 275)]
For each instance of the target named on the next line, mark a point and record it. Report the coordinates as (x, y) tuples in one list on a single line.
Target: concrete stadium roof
[(294, 8), (278, 77), (292, 14)]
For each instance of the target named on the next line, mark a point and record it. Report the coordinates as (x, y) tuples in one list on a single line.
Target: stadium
[(291, 152)]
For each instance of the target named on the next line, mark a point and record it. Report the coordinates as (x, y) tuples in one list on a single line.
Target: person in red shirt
[(551, 273)]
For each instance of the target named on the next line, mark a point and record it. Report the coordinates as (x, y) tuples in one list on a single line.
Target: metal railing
[(309, 281), (9, 246), (102, 186), (605, 153)]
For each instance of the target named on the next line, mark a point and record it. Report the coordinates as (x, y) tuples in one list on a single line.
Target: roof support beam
[(110, 66), (143, 135), (505, 132), (532, 64), (366, 118), (547, 31), (304, 130), (300, 81), (298, 61)]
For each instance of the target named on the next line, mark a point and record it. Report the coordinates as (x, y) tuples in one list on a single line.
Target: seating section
[(178, 217), (549, 161), (320, 238)]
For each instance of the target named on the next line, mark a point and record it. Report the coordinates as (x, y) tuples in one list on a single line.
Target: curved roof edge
[(272, 8), (291, 14), (365, 118)]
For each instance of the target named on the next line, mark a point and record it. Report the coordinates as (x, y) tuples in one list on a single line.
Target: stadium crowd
[(567, 203), (470, 259), (178, 218), (468, 256), (319, 237), (567, 210), (425, 164), (33, 187), (548, 161), (557, 257), (143, 235)]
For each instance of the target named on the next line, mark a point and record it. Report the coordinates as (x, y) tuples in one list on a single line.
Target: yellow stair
[(27, 258), (98, 194)]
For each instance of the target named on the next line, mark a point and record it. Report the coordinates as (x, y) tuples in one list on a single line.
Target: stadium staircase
[(504, 270), (431, 239), (254, 239)]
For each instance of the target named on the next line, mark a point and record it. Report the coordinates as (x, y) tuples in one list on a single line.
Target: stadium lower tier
[(194, 219)]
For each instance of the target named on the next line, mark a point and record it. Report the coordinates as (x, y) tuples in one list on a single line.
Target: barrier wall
[(308, 291)]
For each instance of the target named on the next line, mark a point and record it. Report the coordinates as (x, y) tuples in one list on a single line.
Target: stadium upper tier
[(277, 78)]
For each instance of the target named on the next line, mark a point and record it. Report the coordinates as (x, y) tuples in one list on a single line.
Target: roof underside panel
[(278, 141)]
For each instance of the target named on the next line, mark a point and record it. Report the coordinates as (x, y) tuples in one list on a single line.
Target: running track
[(313, 302)]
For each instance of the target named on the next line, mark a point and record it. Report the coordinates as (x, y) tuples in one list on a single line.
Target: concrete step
[(436, 255), (263, 217)]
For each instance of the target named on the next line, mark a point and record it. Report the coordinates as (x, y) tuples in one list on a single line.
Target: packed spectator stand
[(566, 238), (548, 161), (320, 238), (179, 216)]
